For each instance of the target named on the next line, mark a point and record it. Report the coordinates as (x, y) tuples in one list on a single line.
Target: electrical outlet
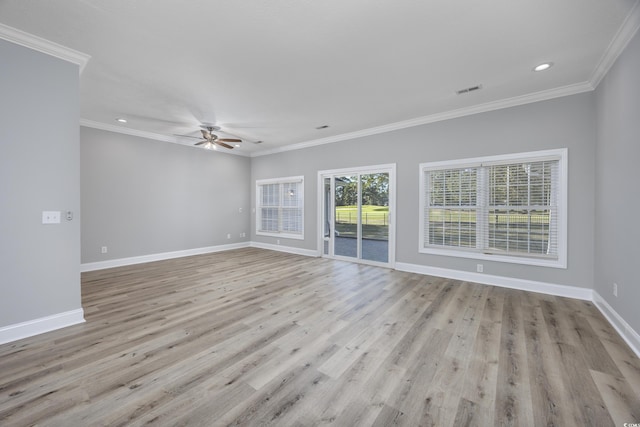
[(479, 268), (104, 249), (51, 217), (278, 241), (228, 236), (615, 289), (239, 210)]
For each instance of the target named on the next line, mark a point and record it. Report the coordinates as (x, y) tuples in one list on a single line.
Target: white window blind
[(452, 208), (280, 207), (496, 208), (523, 209), (270, 198)]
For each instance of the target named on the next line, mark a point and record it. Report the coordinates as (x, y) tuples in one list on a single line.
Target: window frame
[(561, 155), (281, 182)]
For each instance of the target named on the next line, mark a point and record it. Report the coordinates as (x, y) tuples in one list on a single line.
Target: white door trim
[(388, 168)]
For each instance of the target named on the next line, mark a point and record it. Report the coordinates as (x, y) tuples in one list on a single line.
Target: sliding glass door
[(374, 216), (357, 208), (345, 224)]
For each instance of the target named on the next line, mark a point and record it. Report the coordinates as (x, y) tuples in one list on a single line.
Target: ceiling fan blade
[(201, 142), (206, 134), (229, 140), (223, 144)]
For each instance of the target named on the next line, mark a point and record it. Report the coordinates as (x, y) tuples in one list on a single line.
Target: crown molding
[(620, 41), (447, 115), (127, 131), (625, 33), (30, 41), (147, 135)]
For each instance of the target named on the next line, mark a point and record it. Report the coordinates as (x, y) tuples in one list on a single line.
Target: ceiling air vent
[(469, 89)]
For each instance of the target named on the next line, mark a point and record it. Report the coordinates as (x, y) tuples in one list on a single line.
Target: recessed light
[(543, 66), (121, 120)]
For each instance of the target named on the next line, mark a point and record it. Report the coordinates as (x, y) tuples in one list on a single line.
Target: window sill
[(513, 259), (281, 235)]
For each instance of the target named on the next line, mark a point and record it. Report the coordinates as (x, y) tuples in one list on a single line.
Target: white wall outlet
[(240, 210), (104, 249), (479, 268), (615, 289), (51, 217), (229, 236), (278, 241), (242, 234)]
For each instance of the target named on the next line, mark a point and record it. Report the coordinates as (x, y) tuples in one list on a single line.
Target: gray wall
[(563, 122), (617, 227), (39, 170), (144, 197)]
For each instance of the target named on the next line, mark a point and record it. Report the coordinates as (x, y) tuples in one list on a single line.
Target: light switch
[(51, 217)]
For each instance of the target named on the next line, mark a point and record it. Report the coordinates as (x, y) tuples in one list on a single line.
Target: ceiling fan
[(211, 139)]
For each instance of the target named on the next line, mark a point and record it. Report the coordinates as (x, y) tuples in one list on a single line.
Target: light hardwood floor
[(255, 337)]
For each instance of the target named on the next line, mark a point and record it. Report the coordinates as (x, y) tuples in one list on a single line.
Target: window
[(280, 207), (508, 208)]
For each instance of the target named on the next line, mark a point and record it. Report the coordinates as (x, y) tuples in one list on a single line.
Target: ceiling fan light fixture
[(542, 67), (210, 140)]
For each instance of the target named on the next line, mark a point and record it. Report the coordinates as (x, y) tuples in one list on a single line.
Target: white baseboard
[(121, 262), (287, 249), (630, 336), (39, 326), (502, 281), (11, 333), (625, 330)]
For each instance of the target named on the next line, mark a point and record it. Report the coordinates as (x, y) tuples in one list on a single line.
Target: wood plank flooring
[(255, 337)]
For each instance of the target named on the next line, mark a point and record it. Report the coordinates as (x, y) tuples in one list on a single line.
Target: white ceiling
[(274, 70)]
